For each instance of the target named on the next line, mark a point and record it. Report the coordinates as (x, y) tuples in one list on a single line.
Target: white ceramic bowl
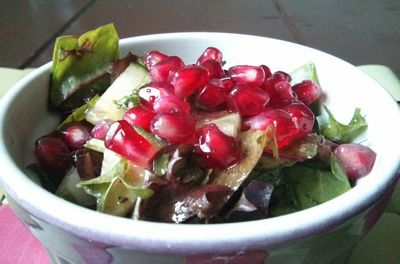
[(323, 233)]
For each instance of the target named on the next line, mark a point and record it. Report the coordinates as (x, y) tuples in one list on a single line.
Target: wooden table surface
[(358, 31)]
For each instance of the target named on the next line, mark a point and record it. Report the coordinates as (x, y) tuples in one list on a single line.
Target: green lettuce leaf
[(81, 66), (338, 170), (79, 113), (113, 192), (335, 131), (304, 187), (307, 71)]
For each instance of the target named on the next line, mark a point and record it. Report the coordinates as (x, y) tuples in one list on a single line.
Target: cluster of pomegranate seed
[(261, 98), (55, 151), (264, 100)]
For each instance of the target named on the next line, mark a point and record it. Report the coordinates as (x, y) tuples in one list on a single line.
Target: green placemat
[(9, 77)]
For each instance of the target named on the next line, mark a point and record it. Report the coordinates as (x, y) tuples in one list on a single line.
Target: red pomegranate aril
[(212, 96), (188, 79), (75, 135), (165, 86), (217, 150), (176, 127), (123, 139), (267, 71), (139, 116), (210, 53), (275, 78), (302, 116), (228, 83), (253, 75), (170, 103), (281, 76), (53, 154), (285, 129), (307, 91), (247, 100), (164, 68), (214, 68), (152, 57), (356, 159), (100, 130), (159, 97), (281, 93), (149, 94)]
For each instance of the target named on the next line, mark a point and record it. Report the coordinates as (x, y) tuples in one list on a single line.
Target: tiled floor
[(360, 32)]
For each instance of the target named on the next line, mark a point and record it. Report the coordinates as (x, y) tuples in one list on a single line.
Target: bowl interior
[(24, 117)]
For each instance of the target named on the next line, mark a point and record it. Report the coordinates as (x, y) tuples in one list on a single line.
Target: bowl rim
[(175, 238)]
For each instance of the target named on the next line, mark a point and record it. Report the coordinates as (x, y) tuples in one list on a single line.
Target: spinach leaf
[(81, 66), (335, 131), (305, 187)]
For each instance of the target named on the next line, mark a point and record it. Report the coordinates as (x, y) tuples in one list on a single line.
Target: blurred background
[(358, 31)]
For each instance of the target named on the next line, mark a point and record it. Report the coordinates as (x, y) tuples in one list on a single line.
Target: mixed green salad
[(149, 137)]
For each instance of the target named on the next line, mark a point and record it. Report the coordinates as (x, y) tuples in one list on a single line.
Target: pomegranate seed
[(217, 150), (253, 75), (176, 127), (247, 100), (281, 93), (212, 96), (53, 154), (307, 91), (100, 130), (164, 86), (281, 76), (75, 135), (160, 98), (275, 78), (214, 68), (356, 159), (139, 116), (164, 68), (152, 57), (148, 96), (151, 93), (188, 79), (171, 104), (228, 83), (285, 128), (123, 139), (267, 71), (302, 116), (210, 53)]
